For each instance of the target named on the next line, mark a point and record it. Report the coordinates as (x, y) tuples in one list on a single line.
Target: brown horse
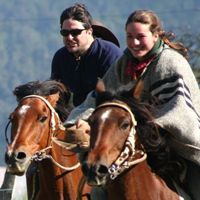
[(122, 135), (36, 138)]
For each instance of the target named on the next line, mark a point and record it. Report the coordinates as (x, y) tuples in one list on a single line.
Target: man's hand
[(83, 125), (77, 136)]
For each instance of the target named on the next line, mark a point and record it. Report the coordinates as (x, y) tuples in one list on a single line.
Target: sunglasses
[(72, 32)]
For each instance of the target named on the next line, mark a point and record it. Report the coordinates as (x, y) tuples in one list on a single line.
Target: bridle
[(126, 158), (42, 154)]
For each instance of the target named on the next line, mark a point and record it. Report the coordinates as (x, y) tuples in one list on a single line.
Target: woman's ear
[(156, 37)]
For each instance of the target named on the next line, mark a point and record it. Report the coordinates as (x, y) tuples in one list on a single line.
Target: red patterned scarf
[(135, 67), (135, 70)]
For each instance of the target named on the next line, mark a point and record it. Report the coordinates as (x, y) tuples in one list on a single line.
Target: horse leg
[(86, 193), (32, 178), (8, 181), (7, 185), (98, 193)]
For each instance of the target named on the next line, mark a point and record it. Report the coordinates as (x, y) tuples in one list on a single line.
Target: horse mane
[(45, 88), (162, 160)]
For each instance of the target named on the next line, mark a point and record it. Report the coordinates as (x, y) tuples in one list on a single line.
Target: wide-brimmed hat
[(101, 31)]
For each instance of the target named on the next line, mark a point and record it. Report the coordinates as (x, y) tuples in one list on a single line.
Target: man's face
[(76, 38)]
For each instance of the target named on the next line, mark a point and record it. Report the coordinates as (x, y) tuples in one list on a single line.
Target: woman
[(168, 78)]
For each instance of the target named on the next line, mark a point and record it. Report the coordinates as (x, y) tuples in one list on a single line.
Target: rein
[(41, 154), (126, 157), (6, 130)]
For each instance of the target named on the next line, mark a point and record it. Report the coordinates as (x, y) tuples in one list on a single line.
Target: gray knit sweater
[(171, 81)]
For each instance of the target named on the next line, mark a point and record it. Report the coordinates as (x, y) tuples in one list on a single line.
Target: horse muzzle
[(17, 162), (96, 175)]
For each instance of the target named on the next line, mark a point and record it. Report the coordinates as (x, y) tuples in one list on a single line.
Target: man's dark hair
[(77, 12)]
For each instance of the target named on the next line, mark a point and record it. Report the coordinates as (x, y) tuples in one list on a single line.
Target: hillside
[(29, 36)]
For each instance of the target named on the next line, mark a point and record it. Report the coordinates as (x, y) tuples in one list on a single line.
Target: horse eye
[(125, 125), (42, 118)]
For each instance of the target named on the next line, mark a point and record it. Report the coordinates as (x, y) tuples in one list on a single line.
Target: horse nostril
[(13, 157), (102, 169), (20, 156), (92, 171)]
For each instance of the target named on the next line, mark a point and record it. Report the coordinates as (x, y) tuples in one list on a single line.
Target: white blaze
[(23, 109), (105, 115)]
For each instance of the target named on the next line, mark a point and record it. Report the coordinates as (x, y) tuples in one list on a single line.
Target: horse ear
[(53, 98), (138, 88), (100, 86)]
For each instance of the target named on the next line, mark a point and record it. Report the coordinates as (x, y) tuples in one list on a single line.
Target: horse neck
[(60, 154), (55, 182), (139, 183)]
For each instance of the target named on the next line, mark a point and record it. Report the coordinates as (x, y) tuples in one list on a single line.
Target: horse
[(128, 154), (36, 143)]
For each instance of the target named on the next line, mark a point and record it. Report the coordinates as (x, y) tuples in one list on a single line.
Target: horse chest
[(139, 183)]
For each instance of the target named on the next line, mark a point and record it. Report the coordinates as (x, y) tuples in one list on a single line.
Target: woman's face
[(140, 39)]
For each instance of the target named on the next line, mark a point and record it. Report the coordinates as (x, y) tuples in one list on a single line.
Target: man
[(84, 58)]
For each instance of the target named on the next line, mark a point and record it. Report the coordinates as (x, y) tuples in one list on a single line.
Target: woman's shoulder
[(171, 57), (172, 62), (170, 53)]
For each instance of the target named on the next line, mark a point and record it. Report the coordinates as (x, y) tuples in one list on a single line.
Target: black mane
[(162, 160), (45, 88)]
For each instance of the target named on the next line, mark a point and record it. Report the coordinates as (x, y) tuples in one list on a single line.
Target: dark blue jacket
[(81, 76)]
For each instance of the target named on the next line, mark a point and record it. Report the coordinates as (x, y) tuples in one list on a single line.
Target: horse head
[(114, 144), (33, 124), (127, 147)]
